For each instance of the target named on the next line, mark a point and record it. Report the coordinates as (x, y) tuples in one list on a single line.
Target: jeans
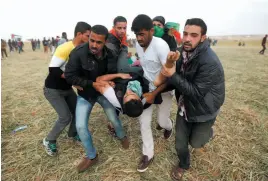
[(83, 110), (20, 49), (64, 102), (197, 134)]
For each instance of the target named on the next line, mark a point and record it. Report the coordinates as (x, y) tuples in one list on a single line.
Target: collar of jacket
[(104, 53), (199, 49), (124, 39)]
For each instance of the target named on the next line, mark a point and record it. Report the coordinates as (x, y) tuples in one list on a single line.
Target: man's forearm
[(159, 89), (108, 77)]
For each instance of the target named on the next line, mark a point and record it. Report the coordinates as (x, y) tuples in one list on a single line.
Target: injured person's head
[(132, 104)]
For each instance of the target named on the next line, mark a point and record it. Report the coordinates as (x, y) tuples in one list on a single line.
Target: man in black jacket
[(86, 63), (200, 91), (117, 42)]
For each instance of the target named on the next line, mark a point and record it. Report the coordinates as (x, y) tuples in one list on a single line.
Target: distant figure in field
[(209, 41), (38, 44), (10, 45), (20, 46), (53, 45), (45, 44), (63, 38), (3, 48), (263, 44), (14, 45), (214, 43), (33, 44)]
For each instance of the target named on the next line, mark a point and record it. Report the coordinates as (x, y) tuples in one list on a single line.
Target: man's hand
[(125, 76), (101, 86), (111, 83), (149, 97), (62, 76), (129, 54), (168, 72), (173, 56), (78, 87)]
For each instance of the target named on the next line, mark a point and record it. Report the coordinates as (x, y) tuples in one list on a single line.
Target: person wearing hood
[(162, 32)]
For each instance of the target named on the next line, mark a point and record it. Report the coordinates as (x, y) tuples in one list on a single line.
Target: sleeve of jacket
[(206, 77), (115, 50), (72, 72)]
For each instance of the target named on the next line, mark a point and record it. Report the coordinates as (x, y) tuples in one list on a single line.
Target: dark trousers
[(3, 51), (64, 103), (197, 134), (20, 49), (264, 48)]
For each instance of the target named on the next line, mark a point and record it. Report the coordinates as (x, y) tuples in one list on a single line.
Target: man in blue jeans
[(86, 63)]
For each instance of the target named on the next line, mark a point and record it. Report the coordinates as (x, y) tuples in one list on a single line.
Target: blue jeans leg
[(110, 112), (83, 110)]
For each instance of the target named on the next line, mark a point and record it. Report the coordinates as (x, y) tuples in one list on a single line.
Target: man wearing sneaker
[(153, 52), (59, 93), (87, 62), (198, 79)]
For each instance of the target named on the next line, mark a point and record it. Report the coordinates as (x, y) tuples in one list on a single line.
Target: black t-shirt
[(45, 42)]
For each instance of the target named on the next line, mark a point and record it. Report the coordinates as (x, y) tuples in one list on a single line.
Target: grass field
[(239, 150)]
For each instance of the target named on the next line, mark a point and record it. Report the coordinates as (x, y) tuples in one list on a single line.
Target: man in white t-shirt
[(153, 53)]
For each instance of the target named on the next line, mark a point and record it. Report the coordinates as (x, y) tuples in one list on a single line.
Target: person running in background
[(263, 44)]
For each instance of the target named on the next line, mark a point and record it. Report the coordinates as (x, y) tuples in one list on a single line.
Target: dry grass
[(239, 150)]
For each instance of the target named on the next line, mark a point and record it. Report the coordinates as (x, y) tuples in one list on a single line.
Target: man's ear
[(203, 37), (78, 34), (152, 31)]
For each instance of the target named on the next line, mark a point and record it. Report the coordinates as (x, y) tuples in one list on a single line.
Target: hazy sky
[(36, 18)]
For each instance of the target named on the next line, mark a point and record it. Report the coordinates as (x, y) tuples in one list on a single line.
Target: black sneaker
[(158, 127), (144, 163), (168, 133), (50, 147), (76, 138)]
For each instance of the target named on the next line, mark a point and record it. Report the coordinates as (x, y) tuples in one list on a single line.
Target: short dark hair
[(198, 22), (119, 19), (81, 27), (133, 108), (142, 22), (64, 34), (100, 30)]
